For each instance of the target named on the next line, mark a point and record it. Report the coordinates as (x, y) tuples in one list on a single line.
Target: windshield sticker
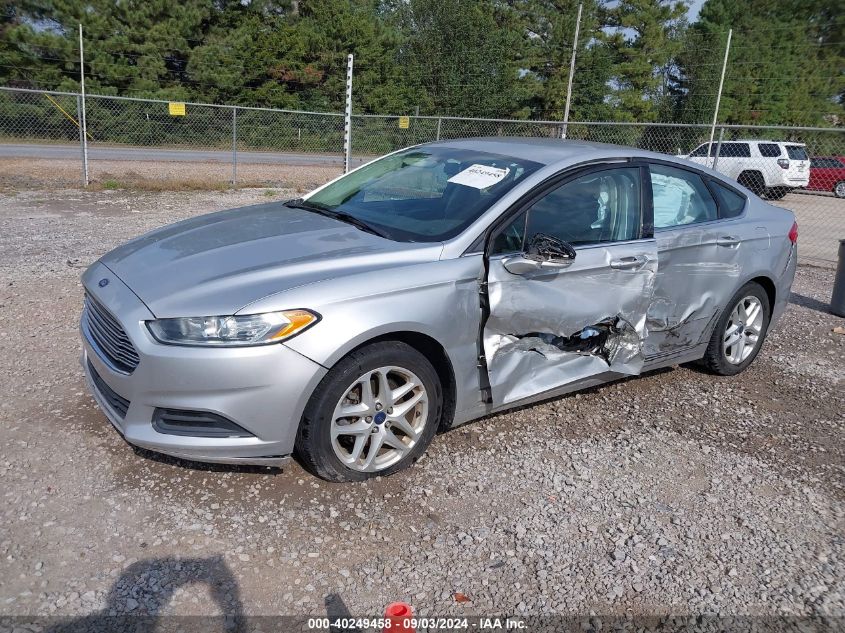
[(479, 176)]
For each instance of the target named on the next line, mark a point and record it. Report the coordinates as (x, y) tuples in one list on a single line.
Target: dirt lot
[(677, 492)]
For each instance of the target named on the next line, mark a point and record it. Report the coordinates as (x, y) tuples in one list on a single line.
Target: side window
[(769, 150), (511, 238), (735, 150), (602, 206), (680, 197), (701, 150), (731, 203), (796, 152)]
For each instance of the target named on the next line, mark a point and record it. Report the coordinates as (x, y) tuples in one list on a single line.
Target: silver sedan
[(425, 289)]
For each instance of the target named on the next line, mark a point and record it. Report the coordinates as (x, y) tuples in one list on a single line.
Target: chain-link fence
[(157, 136), (802, 169)]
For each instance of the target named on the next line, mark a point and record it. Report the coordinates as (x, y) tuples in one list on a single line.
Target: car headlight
[(232, 331)]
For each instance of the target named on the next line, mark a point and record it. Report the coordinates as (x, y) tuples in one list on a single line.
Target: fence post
[(571, 72), (721, 84), (81, 139), (347, 119), (234, 145), (718, 146), (82, 119), (439, 121)]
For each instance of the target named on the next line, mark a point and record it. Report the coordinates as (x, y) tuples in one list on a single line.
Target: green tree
[(785, 63), (135, 47), (551, 29), (646, 40), (463, 56)]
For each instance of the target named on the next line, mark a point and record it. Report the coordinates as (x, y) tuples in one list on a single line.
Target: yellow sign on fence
[(404, 122), (176, 108)]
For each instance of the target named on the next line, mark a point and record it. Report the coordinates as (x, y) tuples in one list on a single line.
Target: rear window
[(769, 150), (735, 150), (796, 152), (731, 203)]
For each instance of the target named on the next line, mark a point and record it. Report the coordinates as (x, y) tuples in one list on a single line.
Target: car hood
[(218, 263)]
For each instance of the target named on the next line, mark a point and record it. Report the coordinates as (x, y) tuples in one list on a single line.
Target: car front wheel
[(740, 332), (373, 414)]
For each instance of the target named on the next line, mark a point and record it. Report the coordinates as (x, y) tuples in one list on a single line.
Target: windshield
[(796, 152), (424, 194)]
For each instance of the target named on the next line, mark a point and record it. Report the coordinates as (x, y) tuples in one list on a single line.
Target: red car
[(827, 173)]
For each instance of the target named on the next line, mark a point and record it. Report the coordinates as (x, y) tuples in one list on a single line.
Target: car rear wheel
[(776, 193), (740, 331), (753, 180), (373, 414), (839, 189)]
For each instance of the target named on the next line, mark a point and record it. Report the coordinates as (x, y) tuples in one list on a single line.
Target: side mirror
[(543, 252), (547, 248)]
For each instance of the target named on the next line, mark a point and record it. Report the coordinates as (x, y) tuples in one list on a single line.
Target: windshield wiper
[(315, 207)]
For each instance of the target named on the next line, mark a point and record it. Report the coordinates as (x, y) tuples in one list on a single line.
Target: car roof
[(542, 150), (760, 140)]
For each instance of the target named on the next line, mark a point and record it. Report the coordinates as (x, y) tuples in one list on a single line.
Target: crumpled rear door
[(548, 328)]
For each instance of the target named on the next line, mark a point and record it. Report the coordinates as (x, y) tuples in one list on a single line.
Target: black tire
[(753, 180), (313, 442), (776, 193), (839, 189), (715, 358)]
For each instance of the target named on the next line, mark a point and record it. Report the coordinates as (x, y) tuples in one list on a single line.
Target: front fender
[(438, 299)]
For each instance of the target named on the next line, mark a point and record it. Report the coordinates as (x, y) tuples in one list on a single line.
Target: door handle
[(728, 241), (628, 263)]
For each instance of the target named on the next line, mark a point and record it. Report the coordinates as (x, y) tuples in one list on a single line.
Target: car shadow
[(140, 594), (581, 392)]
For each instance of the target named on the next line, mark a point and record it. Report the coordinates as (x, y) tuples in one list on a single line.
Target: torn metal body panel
[(532, 336), (700, 268)]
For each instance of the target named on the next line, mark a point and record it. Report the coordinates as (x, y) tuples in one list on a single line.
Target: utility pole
[(347, 120), (84, 125), (571, 71), (719, 94)]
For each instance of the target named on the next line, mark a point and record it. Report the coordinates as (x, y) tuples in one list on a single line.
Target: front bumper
[(263, 389)]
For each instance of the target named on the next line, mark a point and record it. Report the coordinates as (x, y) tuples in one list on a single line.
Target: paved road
[(156, 154)]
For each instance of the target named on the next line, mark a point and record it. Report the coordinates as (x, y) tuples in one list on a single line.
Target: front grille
[(118, 403), (109, 337)]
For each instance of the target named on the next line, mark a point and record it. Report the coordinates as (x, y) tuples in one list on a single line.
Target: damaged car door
[(569, 278)]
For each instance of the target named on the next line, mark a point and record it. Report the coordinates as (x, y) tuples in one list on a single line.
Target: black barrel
[(837, 300)]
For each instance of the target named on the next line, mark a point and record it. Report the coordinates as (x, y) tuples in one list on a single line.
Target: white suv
[(772, 168)]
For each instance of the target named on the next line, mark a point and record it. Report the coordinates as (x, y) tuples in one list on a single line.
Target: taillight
[(793, 233), (784, 163)]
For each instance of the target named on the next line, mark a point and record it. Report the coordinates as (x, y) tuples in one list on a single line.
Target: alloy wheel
[(379, 419), (743, 330)]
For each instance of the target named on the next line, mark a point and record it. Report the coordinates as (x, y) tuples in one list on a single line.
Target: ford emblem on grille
[(103, 283)]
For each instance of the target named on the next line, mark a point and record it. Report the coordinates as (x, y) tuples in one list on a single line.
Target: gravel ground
[(674, 493)]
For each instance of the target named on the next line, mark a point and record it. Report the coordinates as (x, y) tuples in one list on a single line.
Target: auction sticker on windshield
[(479, 176)]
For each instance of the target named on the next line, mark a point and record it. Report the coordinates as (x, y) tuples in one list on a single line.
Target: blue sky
[(694, 8)]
